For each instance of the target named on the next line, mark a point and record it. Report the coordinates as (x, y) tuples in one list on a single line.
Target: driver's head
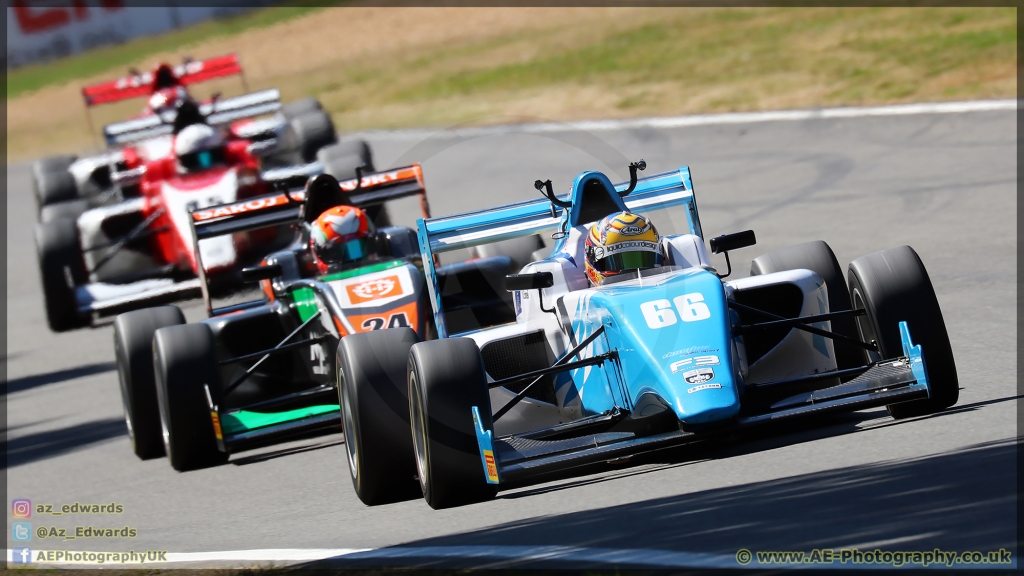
[(198, 147), (338, 237), (620, 242), (167, 100)]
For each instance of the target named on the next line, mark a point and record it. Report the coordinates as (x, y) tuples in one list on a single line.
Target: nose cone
[(673, 336)]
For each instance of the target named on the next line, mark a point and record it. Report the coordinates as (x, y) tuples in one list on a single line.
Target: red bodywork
[(163, 187)]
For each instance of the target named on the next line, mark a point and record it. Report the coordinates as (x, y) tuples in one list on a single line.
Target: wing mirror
[(262, 148), (532, 281), (734, 241), (265, 272), (127, 177), (726, 242)]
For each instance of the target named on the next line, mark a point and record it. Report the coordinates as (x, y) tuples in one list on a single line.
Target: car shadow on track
[(50, 443), (961, 501), (37, 380), (263, 457)]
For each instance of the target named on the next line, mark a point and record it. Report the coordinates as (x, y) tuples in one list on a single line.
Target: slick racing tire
[(300, 107), (70, 210), (374, 399), (893, 286), (818, 258), (61, 269), (341, 160), (183, 360), (133, 349), (52, 181), (313, 131), (520, 250), (446, 379)]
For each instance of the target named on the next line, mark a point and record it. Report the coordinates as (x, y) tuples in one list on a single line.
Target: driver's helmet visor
[(344, 251), (619, 261), (202, 160)]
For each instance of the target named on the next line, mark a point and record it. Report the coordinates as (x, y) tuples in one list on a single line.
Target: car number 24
[(661, 313)]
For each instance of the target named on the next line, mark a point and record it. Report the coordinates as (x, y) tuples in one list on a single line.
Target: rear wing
[(140, 85), (444, 234), (219, 113), (285, 208)]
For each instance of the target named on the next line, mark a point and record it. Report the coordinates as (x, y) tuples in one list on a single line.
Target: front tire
[(61, 269), (52, 181), (893, 286), (373, 394), (446, 379), (818, 257), (133, 349), (184, 360), (313, 131), (70, 210)]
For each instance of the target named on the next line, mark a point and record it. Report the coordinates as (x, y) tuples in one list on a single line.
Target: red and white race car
[(298, 130), (137, 250)]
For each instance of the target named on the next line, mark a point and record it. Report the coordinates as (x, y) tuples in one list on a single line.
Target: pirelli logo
[(492, 467), (216, 425)]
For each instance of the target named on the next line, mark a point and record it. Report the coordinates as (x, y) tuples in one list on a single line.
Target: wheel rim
[(161, 396), (865, 328), (125, 400), (419, 430), (350, 427)]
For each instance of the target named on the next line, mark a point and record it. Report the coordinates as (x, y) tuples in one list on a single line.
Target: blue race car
[(651, 359)]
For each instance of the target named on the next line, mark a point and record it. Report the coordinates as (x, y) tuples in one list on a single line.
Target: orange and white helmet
[(620, 242), (338, 236)]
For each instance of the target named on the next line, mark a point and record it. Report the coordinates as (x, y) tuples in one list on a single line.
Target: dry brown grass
[(400, 67)]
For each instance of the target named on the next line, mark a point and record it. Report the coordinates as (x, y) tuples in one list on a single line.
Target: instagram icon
[(21, 508)]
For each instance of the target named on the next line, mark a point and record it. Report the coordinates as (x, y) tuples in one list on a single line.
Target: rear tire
[(341, 160), (313, 131), (61, 269), (374, 399), (300, 107), (183, 360), (133, 348), (52, 181), (446, 379), (70, 210), (818, 257), (893, 286)]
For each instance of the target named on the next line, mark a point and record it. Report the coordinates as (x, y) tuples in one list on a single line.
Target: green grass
[(617, 63), (731, 46), (118, 58)]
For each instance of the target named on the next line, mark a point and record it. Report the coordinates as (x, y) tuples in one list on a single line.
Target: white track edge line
[(694, 120)]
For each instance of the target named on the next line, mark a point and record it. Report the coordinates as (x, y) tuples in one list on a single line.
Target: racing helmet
[(338, 236), (619, 242), (167, 100), (198, 147)]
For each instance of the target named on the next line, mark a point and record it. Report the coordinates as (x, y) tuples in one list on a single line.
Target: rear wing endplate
[(219, 113), (139, 85)]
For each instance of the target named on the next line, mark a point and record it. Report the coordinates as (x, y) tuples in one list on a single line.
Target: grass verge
[(406, 67)]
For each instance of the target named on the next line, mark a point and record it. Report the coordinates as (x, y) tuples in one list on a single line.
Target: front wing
[(518, 457)]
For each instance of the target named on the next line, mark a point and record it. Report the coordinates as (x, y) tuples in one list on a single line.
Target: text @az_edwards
[(79, 508), (54, 532), (853, 556)]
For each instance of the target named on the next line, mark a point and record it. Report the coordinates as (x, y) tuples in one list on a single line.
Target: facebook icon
[(21, 555)]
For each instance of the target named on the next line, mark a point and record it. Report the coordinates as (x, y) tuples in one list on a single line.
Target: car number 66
[(659, 313)]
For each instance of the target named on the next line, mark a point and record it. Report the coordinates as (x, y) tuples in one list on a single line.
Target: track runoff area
[(862, 178)]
